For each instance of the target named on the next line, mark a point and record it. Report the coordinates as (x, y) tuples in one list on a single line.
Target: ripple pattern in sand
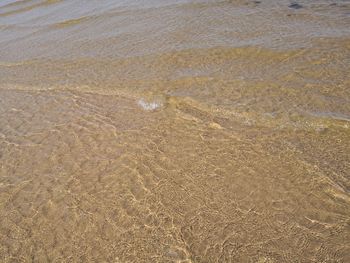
[(87, 177)]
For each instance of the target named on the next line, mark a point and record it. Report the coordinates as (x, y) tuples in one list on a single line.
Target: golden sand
[(174, 131)]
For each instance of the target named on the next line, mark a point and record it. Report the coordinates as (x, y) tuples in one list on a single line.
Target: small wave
[(26, 8), (72, 22)]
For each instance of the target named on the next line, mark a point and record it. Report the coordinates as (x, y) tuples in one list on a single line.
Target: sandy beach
[(174, 131)]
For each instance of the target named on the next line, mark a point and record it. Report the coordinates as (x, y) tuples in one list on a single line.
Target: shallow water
[(174, 131)]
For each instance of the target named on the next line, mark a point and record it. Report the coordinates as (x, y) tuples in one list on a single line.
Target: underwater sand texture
[(174, 131)]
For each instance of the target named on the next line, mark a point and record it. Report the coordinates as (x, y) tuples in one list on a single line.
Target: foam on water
[(149, 106)]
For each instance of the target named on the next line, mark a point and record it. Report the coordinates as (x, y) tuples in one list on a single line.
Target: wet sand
[(174, 131)]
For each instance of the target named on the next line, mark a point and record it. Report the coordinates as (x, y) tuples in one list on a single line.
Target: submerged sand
[(174, 131)]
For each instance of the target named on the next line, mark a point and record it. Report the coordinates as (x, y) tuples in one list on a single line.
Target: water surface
[(174, 131)]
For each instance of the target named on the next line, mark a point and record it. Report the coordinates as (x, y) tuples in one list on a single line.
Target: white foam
[(149, 105)]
